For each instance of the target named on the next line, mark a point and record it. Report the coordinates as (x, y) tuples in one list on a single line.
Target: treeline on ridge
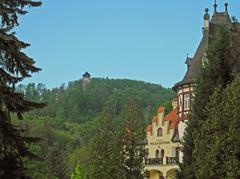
[(68, 124)]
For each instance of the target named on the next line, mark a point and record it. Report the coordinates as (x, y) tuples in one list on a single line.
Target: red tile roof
[(173, 118)]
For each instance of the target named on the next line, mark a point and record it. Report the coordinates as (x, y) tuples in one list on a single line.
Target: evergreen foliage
[(73, 104), (14, 67), (72, 117), (217, 150), (56, 163), (221, 68), (78, 173), (104, 162), (118, 151), (102, 148), (133, 140)]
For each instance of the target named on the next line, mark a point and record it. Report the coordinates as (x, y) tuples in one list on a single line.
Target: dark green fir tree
[(217, 150), (14, 67), (220, 69), (133, 140), (103, 161)]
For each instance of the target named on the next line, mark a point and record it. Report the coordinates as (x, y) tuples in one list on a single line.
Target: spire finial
[(226, 7), (206, 15), (215, 5)]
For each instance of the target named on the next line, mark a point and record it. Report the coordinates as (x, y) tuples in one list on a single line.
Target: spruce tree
[(217, 150), (14, 67), (210, 77), (102, 158), (133, 140), (220, 69)]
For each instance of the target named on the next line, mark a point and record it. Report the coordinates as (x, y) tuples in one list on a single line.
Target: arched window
[(159, 132), (162, 153), (157, 154)]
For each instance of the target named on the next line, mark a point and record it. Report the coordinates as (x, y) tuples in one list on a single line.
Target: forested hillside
[(69, 122)]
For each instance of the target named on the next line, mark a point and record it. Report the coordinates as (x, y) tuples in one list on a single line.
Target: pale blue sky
[(135, 39)]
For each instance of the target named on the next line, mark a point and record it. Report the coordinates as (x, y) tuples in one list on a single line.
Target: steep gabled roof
[(194, 64), (220, 18)]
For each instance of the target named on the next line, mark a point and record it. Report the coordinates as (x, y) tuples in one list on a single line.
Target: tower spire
[(215, 6)]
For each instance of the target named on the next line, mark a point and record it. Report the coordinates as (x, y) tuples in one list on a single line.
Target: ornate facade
[(162, 153)]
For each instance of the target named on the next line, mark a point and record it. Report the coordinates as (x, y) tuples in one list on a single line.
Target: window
[(176, 151), (162, 153), (159, 132), (157, 154), (186, 101)]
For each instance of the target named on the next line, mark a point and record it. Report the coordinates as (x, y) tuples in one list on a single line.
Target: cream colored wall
[(174, 104), (162, 142), (167, 171), (155, 174), (158, 143), (181, 129)]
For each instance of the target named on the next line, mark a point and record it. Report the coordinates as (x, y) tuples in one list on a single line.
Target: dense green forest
[(67, 125)]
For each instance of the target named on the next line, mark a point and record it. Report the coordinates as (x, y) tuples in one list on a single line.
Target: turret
[(185, 88), (206, 23)]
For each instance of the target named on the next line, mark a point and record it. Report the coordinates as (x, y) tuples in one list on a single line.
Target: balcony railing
[(154, 161), (172, 160), (160, 161)]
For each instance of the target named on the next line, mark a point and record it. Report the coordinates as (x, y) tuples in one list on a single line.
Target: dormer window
[(159, 132)]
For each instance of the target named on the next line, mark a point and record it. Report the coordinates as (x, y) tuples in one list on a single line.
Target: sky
[(144, 40)]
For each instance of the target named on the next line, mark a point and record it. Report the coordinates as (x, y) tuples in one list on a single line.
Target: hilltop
[(70, 119)]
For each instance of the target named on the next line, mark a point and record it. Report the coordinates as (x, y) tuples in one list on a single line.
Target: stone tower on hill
[(85, 79)]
